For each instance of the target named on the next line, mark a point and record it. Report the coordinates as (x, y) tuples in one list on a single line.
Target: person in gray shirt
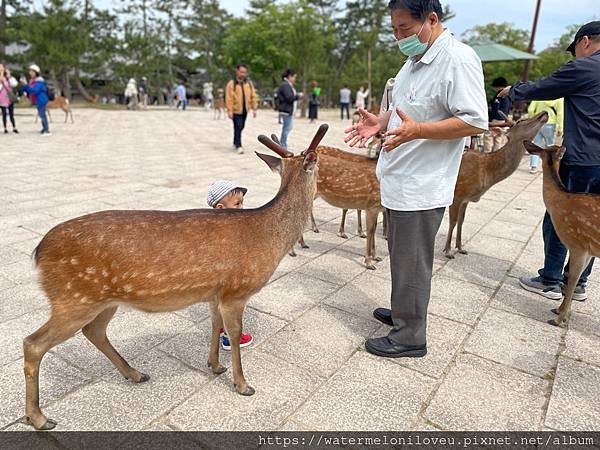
[(345, 100)]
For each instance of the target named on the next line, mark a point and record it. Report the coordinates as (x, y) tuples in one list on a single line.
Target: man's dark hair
[(418, 9), (239, 66), (500, 82)]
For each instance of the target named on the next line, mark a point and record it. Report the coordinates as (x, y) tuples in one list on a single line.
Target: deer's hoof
[(305, 246), (292, 254), (463, 252), (557, 322), (363, 235), (555, 311), (378, 258), (315, 230), (142, 378), (343, 235), (247, 392), (449, 255), (371, 266), (219, 370), (48, 424)]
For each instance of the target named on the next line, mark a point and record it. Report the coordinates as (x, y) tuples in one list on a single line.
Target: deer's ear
[(274, 164), (310, 160), (561, 152), (532, 148)]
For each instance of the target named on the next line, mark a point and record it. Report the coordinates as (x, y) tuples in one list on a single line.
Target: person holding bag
[(8, 98)]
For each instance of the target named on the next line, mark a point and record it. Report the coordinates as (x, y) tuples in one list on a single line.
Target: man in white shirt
[(345, 100), (438, 99)]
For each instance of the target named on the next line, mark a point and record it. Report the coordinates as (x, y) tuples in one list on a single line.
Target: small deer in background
[(576, 219), (480, 171), (59, 102), (164, 261), (219, 105)]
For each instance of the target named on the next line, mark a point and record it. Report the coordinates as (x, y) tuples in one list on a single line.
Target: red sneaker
[(245, 340)]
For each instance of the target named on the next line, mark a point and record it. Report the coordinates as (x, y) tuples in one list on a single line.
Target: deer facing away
[(164, 261), (348, 181), (576, 219), (480, 171)]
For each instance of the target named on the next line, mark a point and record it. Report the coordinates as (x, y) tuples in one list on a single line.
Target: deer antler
[(277, 148), (318, 137), (275, 139)]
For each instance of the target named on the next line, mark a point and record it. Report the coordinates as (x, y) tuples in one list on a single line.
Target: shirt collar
[(440, 43)]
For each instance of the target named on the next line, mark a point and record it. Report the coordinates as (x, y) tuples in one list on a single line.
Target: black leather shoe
[(384, 347), (384, 315)]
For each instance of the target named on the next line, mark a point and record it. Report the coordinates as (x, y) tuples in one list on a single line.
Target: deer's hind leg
[(341, 231), (359, 228), (60, 327), (453, 212), (461, 219), (371, 216), (215, 338), (95, 332)]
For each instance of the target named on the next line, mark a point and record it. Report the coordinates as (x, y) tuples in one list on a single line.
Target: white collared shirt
[(446, 82)]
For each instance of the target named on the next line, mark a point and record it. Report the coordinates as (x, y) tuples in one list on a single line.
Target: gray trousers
[(411, 242)]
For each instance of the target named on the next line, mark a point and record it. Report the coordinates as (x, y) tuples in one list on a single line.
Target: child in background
[(225, 194)]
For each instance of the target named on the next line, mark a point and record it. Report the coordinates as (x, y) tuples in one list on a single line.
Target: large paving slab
[(493, 362)]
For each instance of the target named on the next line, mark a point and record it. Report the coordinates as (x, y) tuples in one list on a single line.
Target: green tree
[(554, 56)]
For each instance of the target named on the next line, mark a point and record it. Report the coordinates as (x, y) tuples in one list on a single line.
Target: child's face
[(234, 200)]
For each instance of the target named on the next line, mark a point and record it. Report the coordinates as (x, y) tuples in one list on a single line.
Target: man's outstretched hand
[(365, 129), (408, 131)]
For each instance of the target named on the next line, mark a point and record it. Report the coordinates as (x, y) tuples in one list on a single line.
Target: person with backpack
[(38, 87), (7, 98), (240, 98)]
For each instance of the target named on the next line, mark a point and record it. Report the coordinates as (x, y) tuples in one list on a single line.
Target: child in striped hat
[(225, 194)]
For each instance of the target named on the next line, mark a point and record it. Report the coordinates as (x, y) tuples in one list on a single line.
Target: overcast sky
[(555, 16)]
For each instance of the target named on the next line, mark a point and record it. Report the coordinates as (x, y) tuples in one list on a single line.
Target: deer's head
[(553, 153), (289, 165), (526, 129)]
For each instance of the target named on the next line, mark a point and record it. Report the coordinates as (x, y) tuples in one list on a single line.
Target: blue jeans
[(546, 135), (345, 107), (183, 103), (41, 109), (239, 122), (575, 179), (288, 123)]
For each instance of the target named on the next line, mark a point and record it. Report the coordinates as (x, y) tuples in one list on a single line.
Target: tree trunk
[(84, 93), (66, 86), (2, 28), (369, 66), (303, 101)]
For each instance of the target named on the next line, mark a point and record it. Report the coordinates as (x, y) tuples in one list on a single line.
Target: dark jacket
[(40, 90), (286, 98), (499, 104), (579, 83)]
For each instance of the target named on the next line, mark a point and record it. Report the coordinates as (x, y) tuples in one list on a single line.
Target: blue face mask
[(412, 46)]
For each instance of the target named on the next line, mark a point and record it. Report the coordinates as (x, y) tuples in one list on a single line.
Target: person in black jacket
[(579, 83), (287, 103)]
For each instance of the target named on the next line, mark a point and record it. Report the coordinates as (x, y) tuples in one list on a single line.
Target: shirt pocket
[(422, 109)]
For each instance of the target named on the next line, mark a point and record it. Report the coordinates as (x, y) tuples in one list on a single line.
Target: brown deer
[(348, 181), (576, 219), (480, 171), (219, 105), (164, 261), (59, 102)]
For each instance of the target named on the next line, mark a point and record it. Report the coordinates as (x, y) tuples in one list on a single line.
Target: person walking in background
[(7, 98), (345, 100), (313, 105), (554, 126), (287, 103), (181, 93), (37, 86), (143, 91), (495, 139), (131, 94), (240, 97), (361, 98)]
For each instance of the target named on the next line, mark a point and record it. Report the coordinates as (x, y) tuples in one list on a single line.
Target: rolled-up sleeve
[(561, 83), (466, 95)]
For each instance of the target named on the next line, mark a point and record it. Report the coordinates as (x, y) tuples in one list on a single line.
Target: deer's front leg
[(232, 312)]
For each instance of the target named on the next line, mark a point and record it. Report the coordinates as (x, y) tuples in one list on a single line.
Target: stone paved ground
[(493, 362)]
